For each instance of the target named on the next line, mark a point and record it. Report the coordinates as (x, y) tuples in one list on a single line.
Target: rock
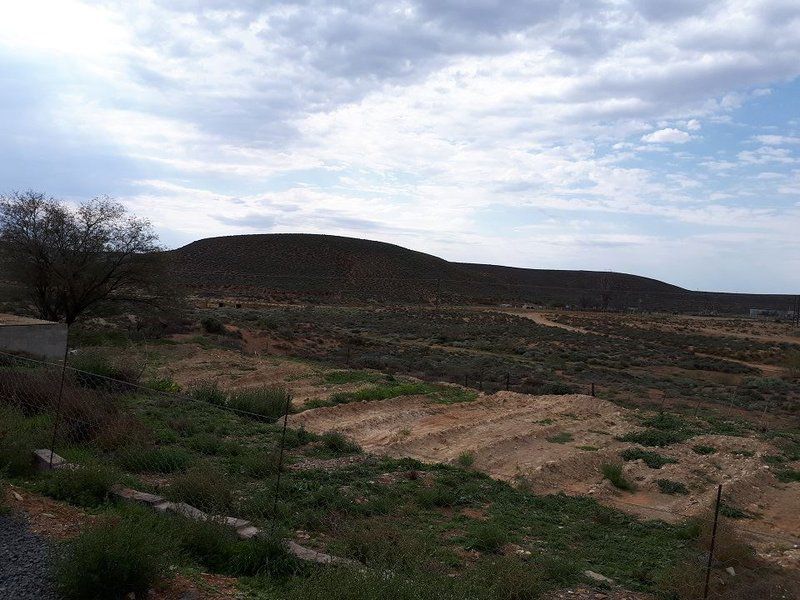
[(731, 571), (598, 577), (17, 496)]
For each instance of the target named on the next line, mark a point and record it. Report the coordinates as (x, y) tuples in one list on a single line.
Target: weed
[(265, 403), (466, 459), (163, 459), (338, 444), (85, 486), (787, 475), (96, 369), (212, 325), (701, 449), (164, 384), (113, 561), (262, 557), (656, 437), (667, 486), (204, 488), (487, 537), (654, 460), (257, 464), (438, 495), (733, 512), (209, 391), (560, 438), (343, 377), (614, 473)]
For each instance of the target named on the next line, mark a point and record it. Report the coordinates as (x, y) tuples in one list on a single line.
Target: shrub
[(93, 368), (555, 388), (466, 459), (787, 475), (85, 486), (560, 438), (438, 495), (342, 377), (701, 449), (262, 557), (209, 391), (113, 561), (487, 537), (166, 459), (204, 488), (654, 460), (266, 403), (656, 437), (337, 443), (254, 463), (209, 543), (212, 325), (16, 444), (164, 384), (667, 486), (614, 473)]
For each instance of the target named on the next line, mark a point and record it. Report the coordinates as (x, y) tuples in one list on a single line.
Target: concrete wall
[(41, 339)]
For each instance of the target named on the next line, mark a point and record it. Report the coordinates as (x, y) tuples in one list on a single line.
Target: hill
[(322, 268)]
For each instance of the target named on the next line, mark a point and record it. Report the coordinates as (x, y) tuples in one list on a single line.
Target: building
[(771, 313), (32, 336)]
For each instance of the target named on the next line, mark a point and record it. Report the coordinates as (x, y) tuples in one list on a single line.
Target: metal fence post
[(280, 465), (713, 541), (57, 416), (593, 389)]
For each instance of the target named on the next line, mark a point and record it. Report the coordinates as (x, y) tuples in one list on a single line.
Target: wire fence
[(188, 448), (159, 440)]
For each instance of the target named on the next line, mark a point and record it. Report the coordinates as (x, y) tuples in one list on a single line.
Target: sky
[(656, 137)]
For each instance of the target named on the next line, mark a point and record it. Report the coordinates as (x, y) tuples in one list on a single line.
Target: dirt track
[(559, 443)]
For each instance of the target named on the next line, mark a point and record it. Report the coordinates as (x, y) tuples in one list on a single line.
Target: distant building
[(32, 336), (771, 313)]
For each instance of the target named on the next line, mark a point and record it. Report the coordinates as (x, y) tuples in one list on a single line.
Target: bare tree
[(71, 260)]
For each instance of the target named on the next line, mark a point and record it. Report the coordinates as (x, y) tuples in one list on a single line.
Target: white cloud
[(668, 135), (777, 140)]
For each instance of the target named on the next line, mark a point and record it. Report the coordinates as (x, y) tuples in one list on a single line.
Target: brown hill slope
[(332, 268)]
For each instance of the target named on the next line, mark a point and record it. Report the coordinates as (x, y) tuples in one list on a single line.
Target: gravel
[(25, 563)]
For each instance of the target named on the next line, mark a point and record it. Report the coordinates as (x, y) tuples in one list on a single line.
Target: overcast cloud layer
[(660, 137)]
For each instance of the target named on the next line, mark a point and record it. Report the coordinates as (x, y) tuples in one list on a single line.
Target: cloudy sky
[(659, 137)]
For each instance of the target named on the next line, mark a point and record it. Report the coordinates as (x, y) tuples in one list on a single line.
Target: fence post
[(593, 389), (713, 541), (280, 465), (57, 416)]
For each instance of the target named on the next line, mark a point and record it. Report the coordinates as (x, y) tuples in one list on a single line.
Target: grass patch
[(487, 537), (654, 460), (88, 486), (560, 438), (667, 486), (702, 449), (344, 377), (265, 403), (203, 487), (787, 475), (113, 561), (338, 444), (446, 394), (614, 473), (733, 512), (465, 459), (165, 459), (209, 391)]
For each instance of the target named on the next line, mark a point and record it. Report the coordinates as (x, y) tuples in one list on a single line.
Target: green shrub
[(656, 437), (204, 488), (343, 377), (555, 388), (262, 557), (654, 460), (560, 438), (164, 459), (164, 384), (212, 325), (113, 561), (207, 542), (337, 443), (16, 444), (209, 391), (667, 486), (466, 459), (732, 512), (438, 496), (254, 463), (614, 473), (487, 537), (85, 486), (94, 368), (266, 403), (701, 449), (787, 475)]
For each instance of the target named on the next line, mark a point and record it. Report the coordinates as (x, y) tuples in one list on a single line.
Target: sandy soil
[(515, 437)]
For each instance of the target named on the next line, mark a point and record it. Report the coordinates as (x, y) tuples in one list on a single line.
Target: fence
[(151, 437), (190, 448)]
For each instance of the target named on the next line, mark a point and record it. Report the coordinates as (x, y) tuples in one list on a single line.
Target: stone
[(43, 462), (248, 532), (731, 571), (598, 577), (188, 511)]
